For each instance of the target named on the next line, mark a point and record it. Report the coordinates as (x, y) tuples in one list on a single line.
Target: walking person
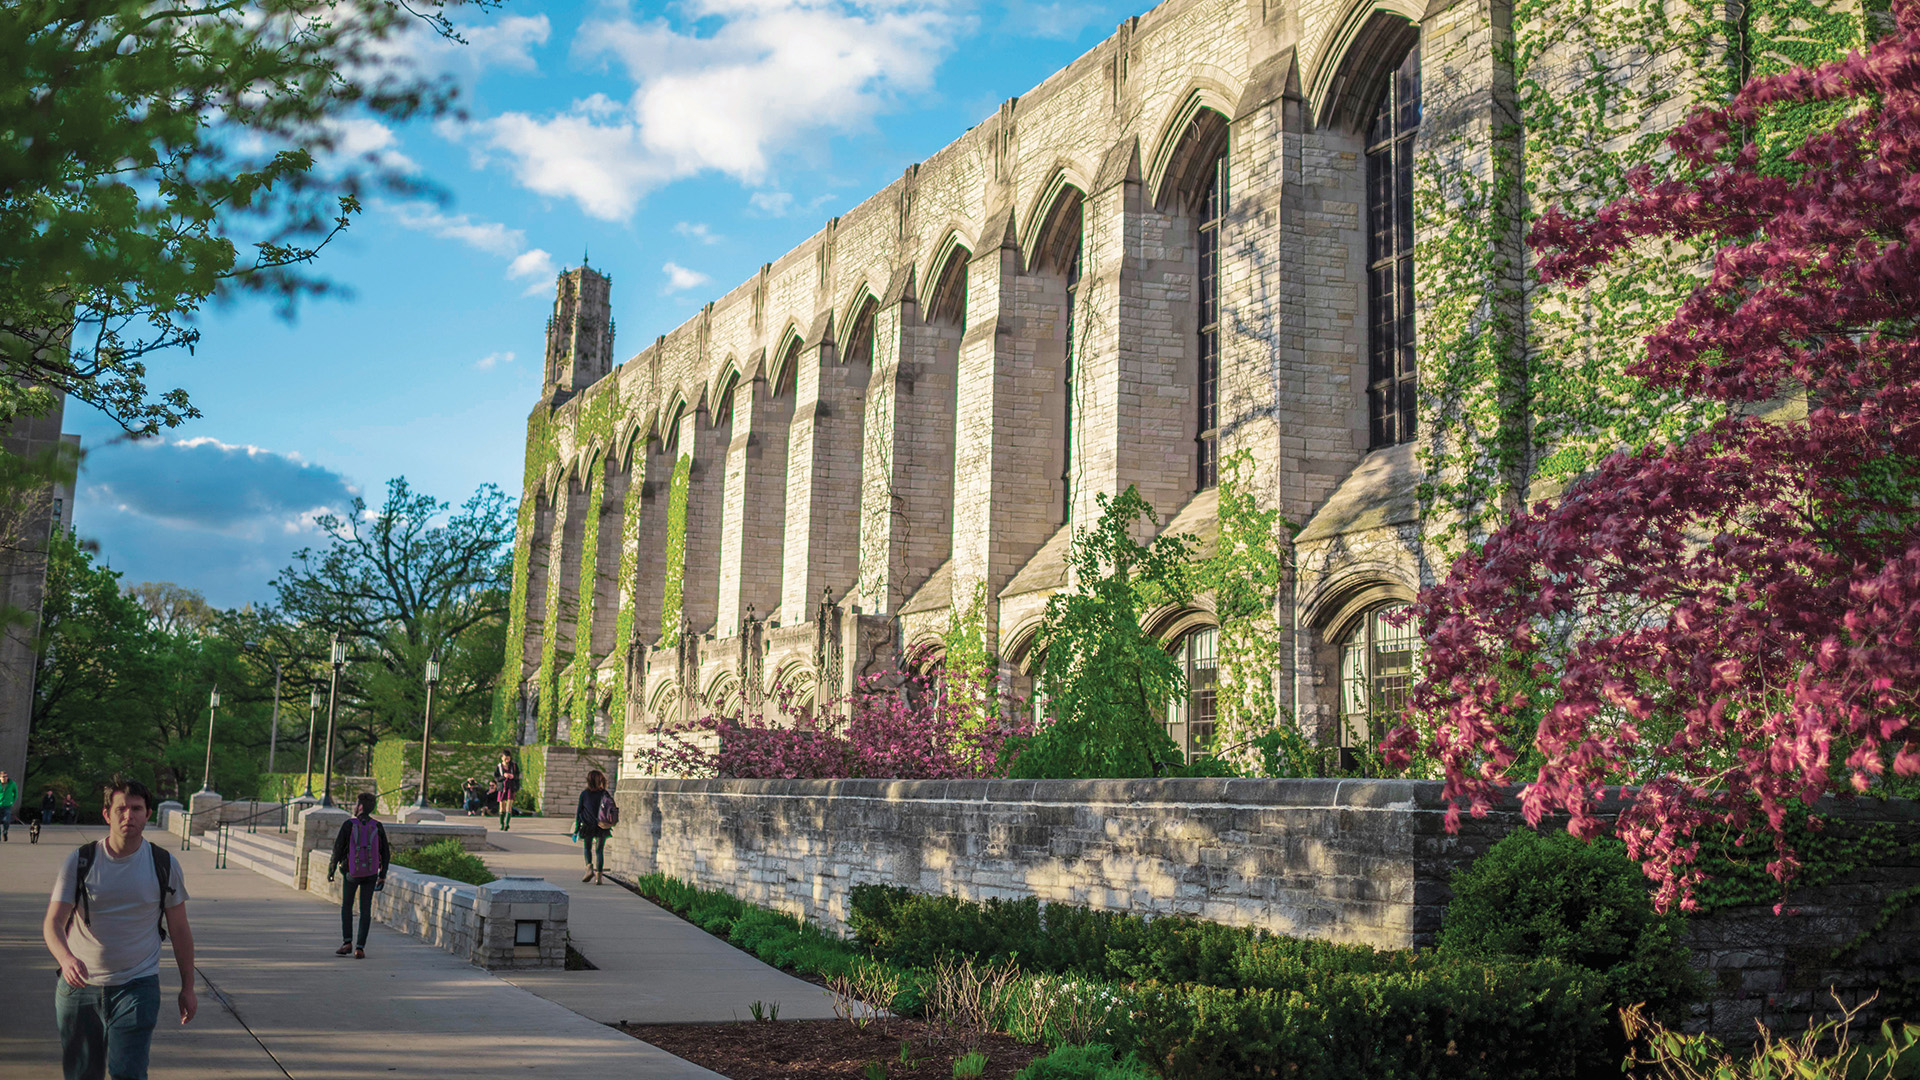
[(506, 784), (49, 806), (116, 901), (593, 822), (362, 847), (9, 794)]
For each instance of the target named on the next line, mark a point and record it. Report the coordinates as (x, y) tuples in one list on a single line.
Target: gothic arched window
[(1392, 371), (1190, 719), (1213, 207), (1376, 674)]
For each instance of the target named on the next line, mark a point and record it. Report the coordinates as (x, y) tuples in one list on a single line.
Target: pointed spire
[(583, 254)]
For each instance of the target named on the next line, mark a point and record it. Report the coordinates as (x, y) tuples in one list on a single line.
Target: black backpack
[(162, 869)]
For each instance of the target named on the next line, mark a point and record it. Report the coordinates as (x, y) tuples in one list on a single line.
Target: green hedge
[(395, 762), (776, 938), (447, 859)]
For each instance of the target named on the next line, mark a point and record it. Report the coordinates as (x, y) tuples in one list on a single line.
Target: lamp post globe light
[(206, 777), (339, 660), (313, 706), (426, 728)]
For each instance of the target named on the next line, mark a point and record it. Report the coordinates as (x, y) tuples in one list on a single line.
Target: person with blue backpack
[(362, 848), (593, 822)]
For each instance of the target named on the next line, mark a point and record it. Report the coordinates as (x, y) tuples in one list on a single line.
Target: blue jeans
[(596, 846), (106, 1031)]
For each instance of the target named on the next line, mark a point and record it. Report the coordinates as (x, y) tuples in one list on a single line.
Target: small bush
[(447, 859), (774, 937), (1094, 1061), (1548, 895)]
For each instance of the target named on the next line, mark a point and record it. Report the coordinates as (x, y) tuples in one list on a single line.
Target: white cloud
[(366, 141), (680, 279), (743, 81), (771, 203), (697, 231), (488, 236), (507, 44), (493, 360)]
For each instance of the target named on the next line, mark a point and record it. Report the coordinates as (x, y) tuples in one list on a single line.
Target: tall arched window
[(1392, 373), (1190, 719), (1212, 207), (1058, 251), (1376, 674)]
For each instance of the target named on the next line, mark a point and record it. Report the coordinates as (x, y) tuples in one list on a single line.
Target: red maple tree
[(1723, 629)]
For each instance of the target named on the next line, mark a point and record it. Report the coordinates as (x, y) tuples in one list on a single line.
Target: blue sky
[(680, 145)]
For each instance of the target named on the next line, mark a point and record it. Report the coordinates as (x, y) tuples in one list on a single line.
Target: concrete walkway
[(654, 967), (408, 1010)]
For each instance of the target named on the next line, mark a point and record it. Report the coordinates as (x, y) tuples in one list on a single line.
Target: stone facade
[(566, 775), (26, 521), (906, 414), (1341, 860)]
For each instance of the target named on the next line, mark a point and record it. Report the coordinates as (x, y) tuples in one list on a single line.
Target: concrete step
[(268, 853)]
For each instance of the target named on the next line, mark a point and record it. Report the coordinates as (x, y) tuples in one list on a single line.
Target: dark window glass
[(1190, 720), (1392, 371), (1213, 207), (1377, 660)]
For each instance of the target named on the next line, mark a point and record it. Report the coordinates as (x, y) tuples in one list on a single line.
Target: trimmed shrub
[(447, 859), (1094, 1061), (1548, 895)]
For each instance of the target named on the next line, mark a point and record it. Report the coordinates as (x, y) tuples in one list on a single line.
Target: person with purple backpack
[(362, 847)]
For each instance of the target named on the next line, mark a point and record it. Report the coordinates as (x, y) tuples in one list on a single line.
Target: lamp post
[(206, 778), (273, 729), (426, 728), (313, 706), (339, 658)]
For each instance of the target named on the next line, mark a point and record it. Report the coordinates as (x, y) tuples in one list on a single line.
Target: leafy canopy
[(158, 155)]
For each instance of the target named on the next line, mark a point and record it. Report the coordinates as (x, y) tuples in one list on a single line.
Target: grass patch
[(447, 859)]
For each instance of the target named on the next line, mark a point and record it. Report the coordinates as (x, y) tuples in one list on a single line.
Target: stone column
[(823, 477), (707, 442), (753, 525)]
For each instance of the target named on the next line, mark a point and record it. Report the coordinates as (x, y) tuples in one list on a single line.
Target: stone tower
[(579, 334)]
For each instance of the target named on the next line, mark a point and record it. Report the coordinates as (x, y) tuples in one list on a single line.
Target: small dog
[(33, 832)]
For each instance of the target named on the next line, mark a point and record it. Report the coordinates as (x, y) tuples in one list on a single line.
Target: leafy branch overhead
[(163, 155)]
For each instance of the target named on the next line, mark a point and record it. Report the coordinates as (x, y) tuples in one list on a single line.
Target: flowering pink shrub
[(1731, 624), (893, 726)]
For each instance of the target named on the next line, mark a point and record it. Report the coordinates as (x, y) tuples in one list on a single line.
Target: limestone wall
[(566, 774), (473, 922), (1343, 860)]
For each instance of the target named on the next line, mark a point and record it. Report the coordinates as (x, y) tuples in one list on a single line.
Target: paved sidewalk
[(408, 1010), (654, 967)]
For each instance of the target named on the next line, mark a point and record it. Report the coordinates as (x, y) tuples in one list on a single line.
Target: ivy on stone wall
[(623, 630), (581, 689), (970, 668), (1513, 412), (1249, 564), (670, 604)]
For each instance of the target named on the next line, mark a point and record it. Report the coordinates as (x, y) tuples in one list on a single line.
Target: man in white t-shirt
[(106, 938)]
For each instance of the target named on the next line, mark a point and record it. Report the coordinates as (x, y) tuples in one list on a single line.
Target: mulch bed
[(832, 1049)]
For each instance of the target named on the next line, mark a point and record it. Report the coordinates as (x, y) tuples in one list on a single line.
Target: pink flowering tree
[(893, 726), (1725, 629)]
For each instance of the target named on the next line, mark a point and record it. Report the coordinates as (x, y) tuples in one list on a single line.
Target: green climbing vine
[(623, 622), (1249, 564), (676, 552), (582, 673), (970, 666), (1523, 389)]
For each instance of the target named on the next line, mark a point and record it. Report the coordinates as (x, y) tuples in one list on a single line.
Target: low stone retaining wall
[(319, 826), (477, 923), (1341, 860), (1345, 860)]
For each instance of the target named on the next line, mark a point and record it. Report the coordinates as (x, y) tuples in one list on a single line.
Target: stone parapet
[(477, 923), (1345, 860)]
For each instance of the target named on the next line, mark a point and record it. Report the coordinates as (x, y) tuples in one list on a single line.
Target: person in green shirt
[(9, 794)]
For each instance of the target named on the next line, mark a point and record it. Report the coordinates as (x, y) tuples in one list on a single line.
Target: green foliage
[(414, 579), (115, 692), (776, 938), (147, 145), (390, 771), (581, 673), (1550, 895), (970, 667), (676, 552), (1248, 566), (447, 859), (1827, 849), (1091, 1061), (1106, 682), (1825, 1051)]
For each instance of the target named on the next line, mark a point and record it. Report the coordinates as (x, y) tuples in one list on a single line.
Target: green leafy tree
[(1105, 682), (415, 579), (160, 155)]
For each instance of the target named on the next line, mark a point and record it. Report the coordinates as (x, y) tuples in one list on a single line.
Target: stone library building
[(1288, 234)]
